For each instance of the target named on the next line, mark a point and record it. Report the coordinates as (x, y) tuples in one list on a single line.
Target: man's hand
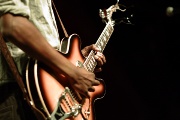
[(83, 81), (99, 57)]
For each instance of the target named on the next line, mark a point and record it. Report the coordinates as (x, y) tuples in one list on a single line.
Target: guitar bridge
[(68, 104)]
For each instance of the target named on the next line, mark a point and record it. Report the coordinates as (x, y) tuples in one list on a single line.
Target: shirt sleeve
[(17, 7)]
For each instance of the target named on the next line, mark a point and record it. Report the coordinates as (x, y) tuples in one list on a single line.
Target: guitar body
[(52, 94)]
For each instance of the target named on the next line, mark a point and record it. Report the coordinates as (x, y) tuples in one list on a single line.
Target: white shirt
[(40, 13)]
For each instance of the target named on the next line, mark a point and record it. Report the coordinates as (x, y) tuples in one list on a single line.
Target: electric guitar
[(53, 95)]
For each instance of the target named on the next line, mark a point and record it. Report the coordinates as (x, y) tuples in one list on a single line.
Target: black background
[(142, 69)]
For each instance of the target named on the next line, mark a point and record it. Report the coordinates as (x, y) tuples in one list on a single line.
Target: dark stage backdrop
[(142, 69)]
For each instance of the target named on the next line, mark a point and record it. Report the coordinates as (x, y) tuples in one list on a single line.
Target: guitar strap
[(16, 74), (12, 65), (64, 30)]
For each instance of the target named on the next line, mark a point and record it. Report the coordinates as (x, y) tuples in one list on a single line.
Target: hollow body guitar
[(52, 94)]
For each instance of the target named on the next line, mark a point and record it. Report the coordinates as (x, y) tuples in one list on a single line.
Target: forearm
[(26, 36)]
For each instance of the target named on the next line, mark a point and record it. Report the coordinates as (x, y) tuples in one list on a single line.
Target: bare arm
[(25, 35)]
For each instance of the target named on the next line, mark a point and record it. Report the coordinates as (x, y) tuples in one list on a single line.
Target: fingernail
[(96, 57)]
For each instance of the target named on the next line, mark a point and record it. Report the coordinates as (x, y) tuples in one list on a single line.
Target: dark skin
[(14, 28)]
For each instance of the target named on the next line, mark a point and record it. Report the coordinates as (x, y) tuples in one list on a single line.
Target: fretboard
[(90, 62)]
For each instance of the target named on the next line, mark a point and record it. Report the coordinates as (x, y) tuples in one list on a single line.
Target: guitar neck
[(90, 62)]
